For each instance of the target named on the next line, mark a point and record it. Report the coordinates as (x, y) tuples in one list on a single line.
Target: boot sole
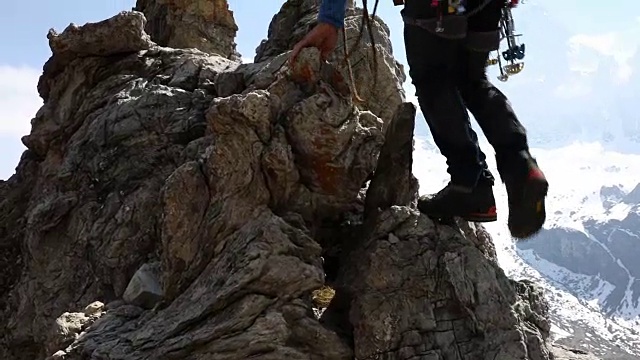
[(480, 218), (527, 220)]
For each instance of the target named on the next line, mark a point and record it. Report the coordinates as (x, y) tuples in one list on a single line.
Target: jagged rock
[(119, 35), (145, 289), (396, 155), (123, 33), (135, 162), (563, 353), (84, 205), (414, 288), (69, 326), (136, 158), (205, 25), (95, 308)]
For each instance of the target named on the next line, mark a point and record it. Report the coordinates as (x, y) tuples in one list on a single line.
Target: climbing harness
[(514, 50), (451, 12)]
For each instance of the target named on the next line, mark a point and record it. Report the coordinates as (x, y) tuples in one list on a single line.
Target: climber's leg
[(526, 184), (431, 62), (489, 106)]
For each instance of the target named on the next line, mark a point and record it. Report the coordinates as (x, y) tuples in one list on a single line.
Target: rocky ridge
[(203, 201)]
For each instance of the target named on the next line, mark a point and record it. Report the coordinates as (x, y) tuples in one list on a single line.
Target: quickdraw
[(514, 50)]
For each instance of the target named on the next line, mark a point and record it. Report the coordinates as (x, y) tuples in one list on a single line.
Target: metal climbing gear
[(514, 50)]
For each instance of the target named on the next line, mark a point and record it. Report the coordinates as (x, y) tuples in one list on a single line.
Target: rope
[(366, 23)]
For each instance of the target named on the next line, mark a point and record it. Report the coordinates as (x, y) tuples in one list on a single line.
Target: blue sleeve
[(333, 12)]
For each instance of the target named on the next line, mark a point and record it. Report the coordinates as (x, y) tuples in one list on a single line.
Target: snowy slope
[(577, 174)]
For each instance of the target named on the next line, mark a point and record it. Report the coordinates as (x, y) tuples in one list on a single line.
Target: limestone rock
[(123, 33), (120, 35), (206, 25), (68, 327), (145, 288), (95, 308), (248, 197), (414, 288)]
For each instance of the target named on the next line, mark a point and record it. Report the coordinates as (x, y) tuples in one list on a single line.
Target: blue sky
[(593, 30)]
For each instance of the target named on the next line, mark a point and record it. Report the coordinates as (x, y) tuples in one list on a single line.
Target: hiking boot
[(526, 195), (472, 204)]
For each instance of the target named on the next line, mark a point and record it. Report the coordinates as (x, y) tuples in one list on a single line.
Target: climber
[(447, 65)]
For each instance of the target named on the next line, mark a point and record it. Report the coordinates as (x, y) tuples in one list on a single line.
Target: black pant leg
[(432, 66), (489, 106)]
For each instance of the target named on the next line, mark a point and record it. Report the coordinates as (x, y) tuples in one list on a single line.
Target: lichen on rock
[(206, 201)]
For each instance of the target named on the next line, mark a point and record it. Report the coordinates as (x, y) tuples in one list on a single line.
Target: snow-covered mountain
[(594, 258), (603, 247), (585, 255)]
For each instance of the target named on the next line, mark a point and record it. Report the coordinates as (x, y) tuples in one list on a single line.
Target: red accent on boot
[(490, 213), (535, 173)]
